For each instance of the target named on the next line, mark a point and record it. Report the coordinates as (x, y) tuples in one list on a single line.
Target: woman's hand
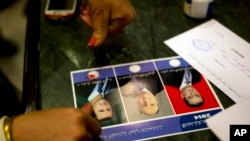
[(106, 17), (60, 124)]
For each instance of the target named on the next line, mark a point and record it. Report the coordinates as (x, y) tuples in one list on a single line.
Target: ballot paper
[(121, 92), (238, 114), (219, 54)]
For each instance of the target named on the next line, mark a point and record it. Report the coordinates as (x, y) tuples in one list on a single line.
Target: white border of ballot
[(219, 54)]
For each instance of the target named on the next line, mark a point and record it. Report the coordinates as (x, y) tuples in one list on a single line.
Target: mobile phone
[(60, 9)]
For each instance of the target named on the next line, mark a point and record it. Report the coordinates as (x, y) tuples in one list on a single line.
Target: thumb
[(100, 27), (87, 108)]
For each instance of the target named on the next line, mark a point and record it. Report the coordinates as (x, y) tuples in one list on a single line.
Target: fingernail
[(92, 42)]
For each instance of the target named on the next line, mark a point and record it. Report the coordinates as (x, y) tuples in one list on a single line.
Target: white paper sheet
[(219, 54), (238, 114)]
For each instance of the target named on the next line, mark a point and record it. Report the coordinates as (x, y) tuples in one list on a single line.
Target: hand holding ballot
[(62, 124)]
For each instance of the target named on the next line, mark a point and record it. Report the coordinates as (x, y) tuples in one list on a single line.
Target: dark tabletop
[(61, 47)]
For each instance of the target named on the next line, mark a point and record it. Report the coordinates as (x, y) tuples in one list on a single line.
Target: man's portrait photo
[(144, 96), (187, 89), (102, 93)]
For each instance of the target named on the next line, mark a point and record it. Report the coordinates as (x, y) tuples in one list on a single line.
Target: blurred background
[(12, 36)]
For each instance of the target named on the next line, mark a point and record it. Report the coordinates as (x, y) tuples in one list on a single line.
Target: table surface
[(63, 48)]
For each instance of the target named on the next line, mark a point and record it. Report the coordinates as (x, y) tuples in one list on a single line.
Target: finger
[(87, 136), (87, 108), (83, 6), (85, 11), (116, 26), (100, 20), (93, 126), (85, 16), (87, 20)]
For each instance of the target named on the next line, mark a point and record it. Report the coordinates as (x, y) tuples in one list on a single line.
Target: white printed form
[(219, 54)]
